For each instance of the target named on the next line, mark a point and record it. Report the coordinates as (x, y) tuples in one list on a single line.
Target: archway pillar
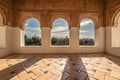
[(74, 37), (74, 30), (45, 34)]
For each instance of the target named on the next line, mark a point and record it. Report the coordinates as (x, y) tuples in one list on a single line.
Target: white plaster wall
[(7, 47), (111, 40), (46, 47)]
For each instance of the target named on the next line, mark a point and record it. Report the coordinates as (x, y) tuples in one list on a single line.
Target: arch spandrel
[(24, 16)]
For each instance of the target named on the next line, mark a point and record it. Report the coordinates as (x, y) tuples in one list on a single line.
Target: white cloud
[(86, 36), (59, 35), (30, 34), (58, 23), (59, 28), (33, 28), (33, 31), (60, 31), (83, 23), (26, 24), (83, 31)]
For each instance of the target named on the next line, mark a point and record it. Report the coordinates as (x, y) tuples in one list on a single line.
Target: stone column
[(46, 33), (74, 37), (22, 39)]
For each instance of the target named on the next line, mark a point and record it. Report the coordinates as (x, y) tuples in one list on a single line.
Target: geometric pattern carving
[(102, 7)]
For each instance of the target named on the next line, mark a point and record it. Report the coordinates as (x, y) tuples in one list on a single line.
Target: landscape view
[(86, 32), (59, 32), (32, 32)]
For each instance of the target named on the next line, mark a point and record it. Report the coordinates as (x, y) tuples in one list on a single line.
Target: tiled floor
[(60, 67)]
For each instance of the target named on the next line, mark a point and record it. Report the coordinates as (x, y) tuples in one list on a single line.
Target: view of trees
[(60, 41), (34, 41), (86, 42), (59, 32)]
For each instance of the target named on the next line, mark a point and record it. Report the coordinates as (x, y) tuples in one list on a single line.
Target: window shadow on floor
[(113, 59), (23, 62), (69, 67), (75, 69)]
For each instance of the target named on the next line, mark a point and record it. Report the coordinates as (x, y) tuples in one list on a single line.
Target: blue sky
[(86, 29), (60, 28), (32, 27)]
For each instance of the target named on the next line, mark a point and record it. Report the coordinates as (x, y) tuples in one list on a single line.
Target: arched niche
[(115, 17), (2, 18), (115, 31), (2, 30)]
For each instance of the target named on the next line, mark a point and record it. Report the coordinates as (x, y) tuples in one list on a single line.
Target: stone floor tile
[(99, 75), (60, 67)]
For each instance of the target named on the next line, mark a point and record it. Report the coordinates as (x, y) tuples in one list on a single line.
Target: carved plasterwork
[(103, 10), (3, 17), (55, 15), (23, 16), (114, 21), (93, 16)]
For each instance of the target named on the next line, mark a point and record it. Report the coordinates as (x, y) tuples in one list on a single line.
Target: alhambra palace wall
[(104, 13)]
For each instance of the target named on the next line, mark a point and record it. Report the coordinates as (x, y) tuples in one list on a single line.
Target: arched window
[(60, 32), (87, 32), (115, 33), (2, 33), (32, 32)]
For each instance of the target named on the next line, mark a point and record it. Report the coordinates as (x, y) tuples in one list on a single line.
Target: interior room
[(59, 39)]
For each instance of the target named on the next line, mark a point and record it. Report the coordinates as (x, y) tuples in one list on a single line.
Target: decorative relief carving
[(115, 18), (93, 5), (6, 3), (55, 15), (23, 16), (47, 10), (78, 4), (92, 16), (24, 4)]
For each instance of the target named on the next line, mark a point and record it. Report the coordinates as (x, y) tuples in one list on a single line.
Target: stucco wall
[(46, 48), (6, 48), (112, 38)]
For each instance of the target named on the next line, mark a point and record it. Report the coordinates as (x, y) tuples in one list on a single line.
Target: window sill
[(59, 46), (88, 46), (30, 46), (116, 47), (2, 47)]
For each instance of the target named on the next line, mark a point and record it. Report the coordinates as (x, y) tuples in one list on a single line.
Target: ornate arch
[(3, 16), (23, 27), (115, 17), (93, 19), (23, 16), (59, 15)]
